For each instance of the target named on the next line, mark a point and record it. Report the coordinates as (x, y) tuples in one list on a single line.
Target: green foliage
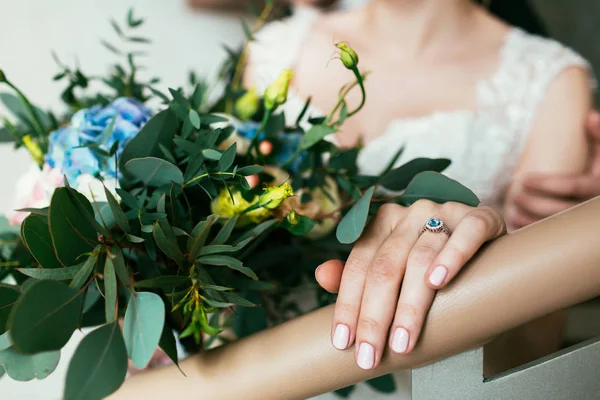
[(44, 317), (143, 327), (399, 178), (152, 171), (36, 235), (353, 223), (99, 365), (438, 188), (8, 297), (23, 367)]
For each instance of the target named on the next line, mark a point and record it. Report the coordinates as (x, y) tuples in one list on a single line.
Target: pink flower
[(34, 190)]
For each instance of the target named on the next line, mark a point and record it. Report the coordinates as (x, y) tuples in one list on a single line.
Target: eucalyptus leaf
[(115, 208), (225, 232), (167, 241), (110, 291), (352, 225), (168, 344), (194, 119), (164, 282), (160, 129), (55, 274), (152, 171), (8, 297), (383, 384), (315, 135), (84, 272), (44, 317), (198, 236), (228, 157), (35, 232), (71, 235), (143, 326), (24, 367), (211, 154), (398, 178), (99, 365), (438, 188), (228, 261), (221, 248)]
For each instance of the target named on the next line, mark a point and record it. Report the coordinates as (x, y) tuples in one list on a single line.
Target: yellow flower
[(347, 55), (226, 208), (247, 105), (273, 196), (2, 76), (276, 94), (292, 218), (33, 149)]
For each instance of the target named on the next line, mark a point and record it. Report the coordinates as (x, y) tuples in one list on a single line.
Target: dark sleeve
[(519, 13)]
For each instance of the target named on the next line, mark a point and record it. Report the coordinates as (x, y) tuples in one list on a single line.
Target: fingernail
[(341, 336), (438, 275), (366, 356), (400, 340), (317, 270)]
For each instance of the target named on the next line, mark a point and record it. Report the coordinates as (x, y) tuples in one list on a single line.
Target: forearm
[(538, 270)]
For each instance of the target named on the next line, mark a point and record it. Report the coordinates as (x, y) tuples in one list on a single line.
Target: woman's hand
[(393, 271)]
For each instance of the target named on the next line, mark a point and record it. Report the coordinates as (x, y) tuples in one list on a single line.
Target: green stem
[(197, 178), (263, 125)]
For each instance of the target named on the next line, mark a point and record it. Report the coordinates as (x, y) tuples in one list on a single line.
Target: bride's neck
[(417, 25)]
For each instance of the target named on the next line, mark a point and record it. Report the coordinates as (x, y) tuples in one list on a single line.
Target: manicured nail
[(366, 356), (317, 270), (437, 276), (341, 337), (400, 340)]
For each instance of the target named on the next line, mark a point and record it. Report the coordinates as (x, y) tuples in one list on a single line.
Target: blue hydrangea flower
[(287, 143), (67, 149)]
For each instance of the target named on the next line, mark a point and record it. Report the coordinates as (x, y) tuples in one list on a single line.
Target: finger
[(415, 297), (541, 206), (381, 293), (517, 218), (329, 275), (593, 125), (347, 306), (477, 227), (579, 187)]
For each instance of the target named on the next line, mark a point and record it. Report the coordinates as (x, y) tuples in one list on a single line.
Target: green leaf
[(55, 274), (383, 384), (353, 223), (225, 232), (86, 211), (315, 135), (194, 119), (301, 228), (154, 171), (250, 170), (168, 344), (110, 291), (5, 342), (345, 392), (71, 235), (17, 109), (237, 300), (116, 255), (228, 261), (438, 188), (8, 297), (398, 178), (220, 248), (211, 154), (99, 365), (143, 326), (159, 130), (44, 317), (164, 282), (36, 236), (198, 237), (23, 368), (167, 241), (227, 158), (118, 213), (84, 273), (249, 320)]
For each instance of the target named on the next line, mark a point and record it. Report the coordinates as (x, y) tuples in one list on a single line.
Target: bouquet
[(177, 219)]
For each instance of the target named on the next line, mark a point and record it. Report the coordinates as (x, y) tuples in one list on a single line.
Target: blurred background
[(185, 38)]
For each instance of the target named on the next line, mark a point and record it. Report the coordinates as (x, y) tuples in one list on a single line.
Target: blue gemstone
[(434, 223)]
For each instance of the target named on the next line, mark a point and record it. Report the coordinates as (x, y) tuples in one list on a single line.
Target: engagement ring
[(435, 225)]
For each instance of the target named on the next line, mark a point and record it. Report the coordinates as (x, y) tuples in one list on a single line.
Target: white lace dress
[(484, 144)]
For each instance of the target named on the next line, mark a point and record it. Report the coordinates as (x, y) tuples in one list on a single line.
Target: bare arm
[(505, 286)]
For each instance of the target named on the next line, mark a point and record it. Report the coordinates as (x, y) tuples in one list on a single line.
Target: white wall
[(30, 29)]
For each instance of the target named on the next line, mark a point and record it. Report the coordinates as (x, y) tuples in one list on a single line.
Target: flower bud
[(34, 149), (292, 218), (273, 196), (2, 76), (347, 55), (247, 105), (276, 94), (265, 147)]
